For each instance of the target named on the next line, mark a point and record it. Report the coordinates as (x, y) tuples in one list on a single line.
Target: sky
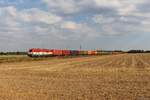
[(67, 24)]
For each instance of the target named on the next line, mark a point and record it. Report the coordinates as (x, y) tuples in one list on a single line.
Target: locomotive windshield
[(30, 50)]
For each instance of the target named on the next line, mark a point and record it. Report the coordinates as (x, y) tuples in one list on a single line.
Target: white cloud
[(124, 7), (25, 25), (31, 26), (99, 19), (66, 6), (36, 15), (29, 15), (66, 20), (107, 3), (70, 25)]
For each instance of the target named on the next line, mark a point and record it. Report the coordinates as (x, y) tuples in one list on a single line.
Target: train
[(38, 52)]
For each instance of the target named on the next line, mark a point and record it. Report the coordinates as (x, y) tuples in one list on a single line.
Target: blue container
[(74, 52)]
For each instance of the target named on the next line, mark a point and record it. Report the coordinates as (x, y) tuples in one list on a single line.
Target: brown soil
[(117, 77)]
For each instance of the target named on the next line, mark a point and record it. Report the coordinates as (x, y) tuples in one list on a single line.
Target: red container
[(56, 52), (90, 52), (66, 52), (94, 52)]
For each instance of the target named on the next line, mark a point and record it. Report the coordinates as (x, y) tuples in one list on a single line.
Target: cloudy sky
[(94, 24)]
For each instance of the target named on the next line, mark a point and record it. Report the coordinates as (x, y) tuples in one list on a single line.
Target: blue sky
[(94, 24)]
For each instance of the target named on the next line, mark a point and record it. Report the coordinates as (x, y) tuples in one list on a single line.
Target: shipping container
[(74, 52), (56, 52), (66, 52), (90, 52), (81, 52), (85, 52), (36, 52)]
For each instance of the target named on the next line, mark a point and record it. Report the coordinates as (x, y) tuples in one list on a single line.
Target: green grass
[(18, 58), (24, 58)]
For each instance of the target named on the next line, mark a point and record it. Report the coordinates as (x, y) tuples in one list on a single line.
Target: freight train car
[(91, 52), (74, 52), (56, 52), (36, 52), (66, 52), (83, 52)]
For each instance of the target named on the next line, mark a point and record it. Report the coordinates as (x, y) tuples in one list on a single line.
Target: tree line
[(13, 53), (139, 51)]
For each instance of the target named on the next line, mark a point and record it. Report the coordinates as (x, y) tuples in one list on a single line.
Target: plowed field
[(116, 77)]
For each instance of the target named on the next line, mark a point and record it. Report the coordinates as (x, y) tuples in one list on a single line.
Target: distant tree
[(13, 53), (148, 51), (2, 53), (136, 51), (118, 51)]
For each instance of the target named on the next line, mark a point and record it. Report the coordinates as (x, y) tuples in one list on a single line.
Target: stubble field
[(114, 77)]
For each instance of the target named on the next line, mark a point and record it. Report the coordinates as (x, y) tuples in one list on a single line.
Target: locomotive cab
[(39, 53)]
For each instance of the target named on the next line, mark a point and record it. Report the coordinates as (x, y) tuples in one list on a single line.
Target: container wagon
[(74, 52), (56, 52), (66, 52), (37, 52)]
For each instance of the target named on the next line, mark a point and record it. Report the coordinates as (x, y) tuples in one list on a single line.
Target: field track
[(116, 77)]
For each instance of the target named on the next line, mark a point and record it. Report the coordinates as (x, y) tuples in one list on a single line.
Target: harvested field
[(116, 77)]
